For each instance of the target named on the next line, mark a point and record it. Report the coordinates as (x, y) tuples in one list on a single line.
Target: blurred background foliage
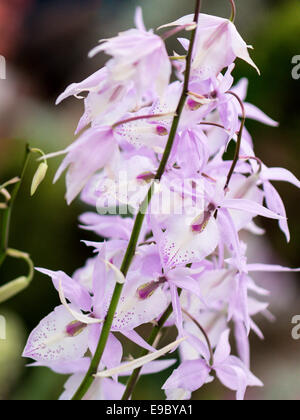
[(45, 43)]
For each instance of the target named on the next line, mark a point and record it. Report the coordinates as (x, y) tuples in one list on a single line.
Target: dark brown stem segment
[(204, 334), (130, 252), (233, 10), (239, 140)]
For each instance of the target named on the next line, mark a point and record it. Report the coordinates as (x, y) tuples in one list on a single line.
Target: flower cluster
[(188, 256)]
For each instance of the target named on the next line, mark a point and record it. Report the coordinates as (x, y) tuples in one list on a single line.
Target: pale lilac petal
[(256, 114), (99, 282), (137, 339), (180, 245), (73, 291), (229, 234), (113, 352), (250, 207), (176, 308), (66, 367), (242, 342), (77, 315), (280, 174), (100, 390), (50, 343), (190, 376), (89, 84), (199, 346), (275, 203), (134, 311), (113, 227), (111, 390), (270, 268), (233, 378), (236, 376), (89, 154), (241, 88), (177, 394), (223, 348)]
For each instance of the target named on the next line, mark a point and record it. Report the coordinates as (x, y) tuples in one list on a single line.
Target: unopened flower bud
[(147, 290), (38, 177)]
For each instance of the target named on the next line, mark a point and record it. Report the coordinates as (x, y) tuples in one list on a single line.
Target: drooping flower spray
[(150, 157)]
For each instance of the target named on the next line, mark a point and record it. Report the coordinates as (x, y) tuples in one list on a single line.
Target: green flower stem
[(88, 380), (4, 235)]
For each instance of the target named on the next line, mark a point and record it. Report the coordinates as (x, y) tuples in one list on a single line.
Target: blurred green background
[(46, 44)]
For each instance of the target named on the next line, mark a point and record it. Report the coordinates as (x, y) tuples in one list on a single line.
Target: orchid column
[(181, 265)]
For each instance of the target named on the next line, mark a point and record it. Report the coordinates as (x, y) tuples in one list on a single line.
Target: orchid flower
[(193, 374)]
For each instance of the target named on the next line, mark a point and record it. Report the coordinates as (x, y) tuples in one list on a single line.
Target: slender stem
[(39, 152), (239, 140), (131, 249), (204, 334), (142, 117), (10, 182), (212, 124), (233, 10), (131, 384), (259, 161), (7, 212)]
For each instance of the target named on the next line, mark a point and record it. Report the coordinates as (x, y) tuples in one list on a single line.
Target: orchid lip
[(161, 130), (193, 105), (201, 222), (147, 290), (75, 328), (146, 176)]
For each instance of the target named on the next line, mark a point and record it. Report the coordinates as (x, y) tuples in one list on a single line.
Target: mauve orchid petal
[(49, 342), (275, 204), (190, 376), (279, 174), (251, 207), (90, 153), (73, 291), (223, 348), (137, 339)]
